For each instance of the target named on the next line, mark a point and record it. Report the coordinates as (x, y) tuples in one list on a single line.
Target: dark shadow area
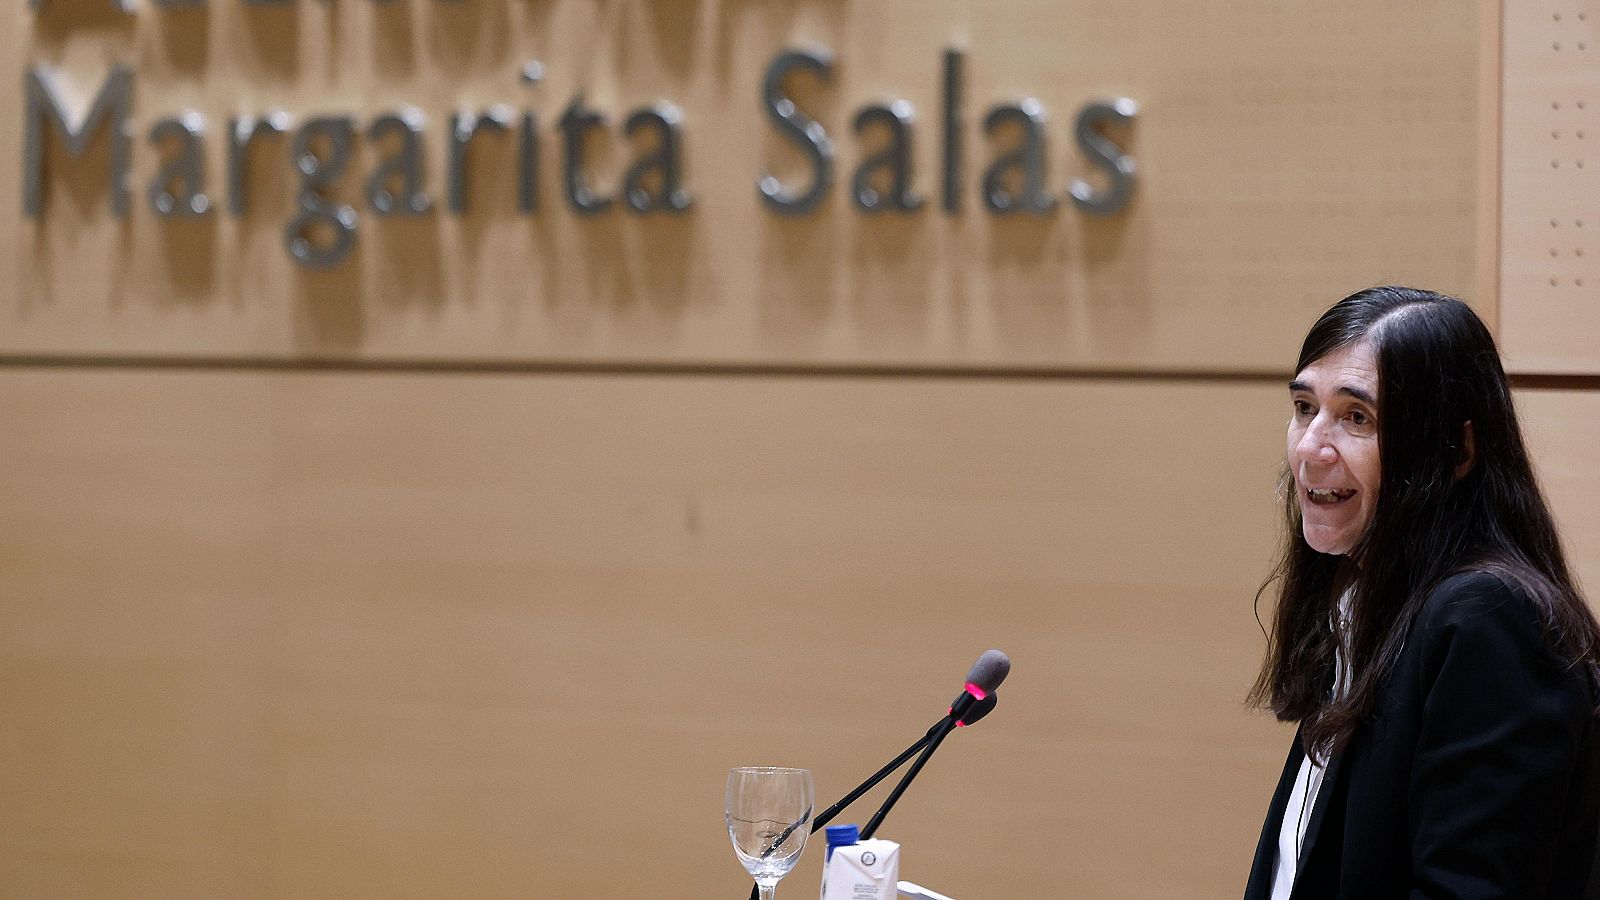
[(726, 16), (541, 245), (189, 250), (672, 27), (328, 316), (890, 249), (270, 180), (123, 252), (777, 24), (614, 293), (183, 36), (956, 250), (799, 255), (891, 262), (1115, 253), (394, 38), (1020, 239), (535, 26), (663, 247), (491, 181), (468, 35), (79, 191), (338, 14), (327, 305), (58, 21), (271, 38), (83, 182), (408, 252), (1104, 238), (797, 265), (1029, 264)]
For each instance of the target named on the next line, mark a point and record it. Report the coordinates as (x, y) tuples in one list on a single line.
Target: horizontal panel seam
[(580, 367)]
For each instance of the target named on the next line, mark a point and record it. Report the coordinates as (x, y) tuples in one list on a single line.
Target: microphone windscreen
[(990, 669), (980, 709)]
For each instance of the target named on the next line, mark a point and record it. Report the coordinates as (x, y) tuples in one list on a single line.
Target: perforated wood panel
[(1550, 293)]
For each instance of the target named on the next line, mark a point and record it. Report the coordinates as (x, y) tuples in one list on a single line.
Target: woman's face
[(1333, 447)]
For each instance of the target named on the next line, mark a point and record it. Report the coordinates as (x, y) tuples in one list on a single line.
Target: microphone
[(979, 710), (984, 679), (976, 700)]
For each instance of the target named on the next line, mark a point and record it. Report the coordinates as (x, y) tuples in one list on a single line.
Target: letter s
[(795, 125), (1104, 155)]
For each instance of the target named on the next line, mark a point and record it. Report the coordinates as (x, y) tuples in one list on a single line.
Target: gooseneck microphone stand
[(933, 739), (972, 704), (941, 728)]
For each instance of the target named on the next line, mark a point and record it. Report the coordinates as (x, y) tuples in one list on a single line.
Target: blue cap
[(842, 836)]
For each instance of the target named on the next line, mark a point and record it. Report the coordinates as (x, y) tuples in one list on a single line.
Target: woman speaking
[(1428, 636)]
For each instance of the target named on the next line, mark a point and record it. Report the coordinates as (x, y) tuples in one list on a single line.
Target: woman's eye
[(1359, 418), (1302, 408)]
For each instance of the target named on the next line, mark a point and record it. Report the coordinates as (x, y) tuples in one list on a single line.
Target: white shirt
[(1307, 784), (1296, 816)]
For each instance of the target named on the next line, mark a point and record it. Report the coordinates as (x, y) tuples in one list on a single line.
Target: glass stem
[(767, 890)]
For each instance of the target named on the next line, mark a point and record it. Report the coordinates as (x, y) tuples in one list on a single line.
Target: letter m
[(108, 109)]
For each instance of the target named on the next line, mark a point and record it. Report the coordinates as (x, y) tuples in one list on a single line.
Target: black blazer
[(1478, 777)]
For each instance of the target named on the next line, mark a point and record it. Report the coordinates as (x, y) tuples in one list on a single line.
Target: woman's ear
[(1469, 450)]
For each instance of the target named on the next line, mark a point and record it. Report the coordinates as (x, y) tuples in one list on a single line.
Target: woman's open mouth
[(1329, 496)]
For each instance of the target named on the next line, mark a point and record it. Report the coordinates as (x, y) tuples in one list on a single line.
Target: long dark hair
[(1437, 370)]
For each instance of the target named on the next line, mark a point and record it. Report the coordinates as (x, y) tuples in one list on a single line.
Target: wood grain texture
[(292, 635), (1563, 430), (392, 635), (1491, 77), (1283, 149)]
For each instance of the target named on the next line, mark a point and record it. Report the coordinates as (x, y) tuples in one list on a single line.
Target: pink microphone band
[(978, 693)]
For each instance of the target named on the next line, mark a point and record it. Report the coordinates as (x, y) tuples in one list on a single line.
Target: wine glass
[(769, 818)]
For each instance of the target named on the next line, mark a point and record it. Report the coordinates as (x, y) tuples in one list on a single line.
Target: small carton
[(866, 870)]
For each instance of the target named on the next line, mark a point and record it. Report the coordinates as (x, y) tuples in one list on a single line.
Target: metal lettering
[(953, 64), (667, 161), (805, 132), (1105, 155), (895, 159), (242, 132), (575, 123), (528, 146), (1028, 158), (177, 190), (395, 188), (464, 126), (528, 164), (109, 108), (324, 232)]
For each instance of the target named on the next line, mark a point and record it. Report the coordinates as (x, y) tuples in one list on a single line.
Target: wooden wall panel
[(1563, 430), (1288, 153), (1551, 207), (373, 634), (327, 635)]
